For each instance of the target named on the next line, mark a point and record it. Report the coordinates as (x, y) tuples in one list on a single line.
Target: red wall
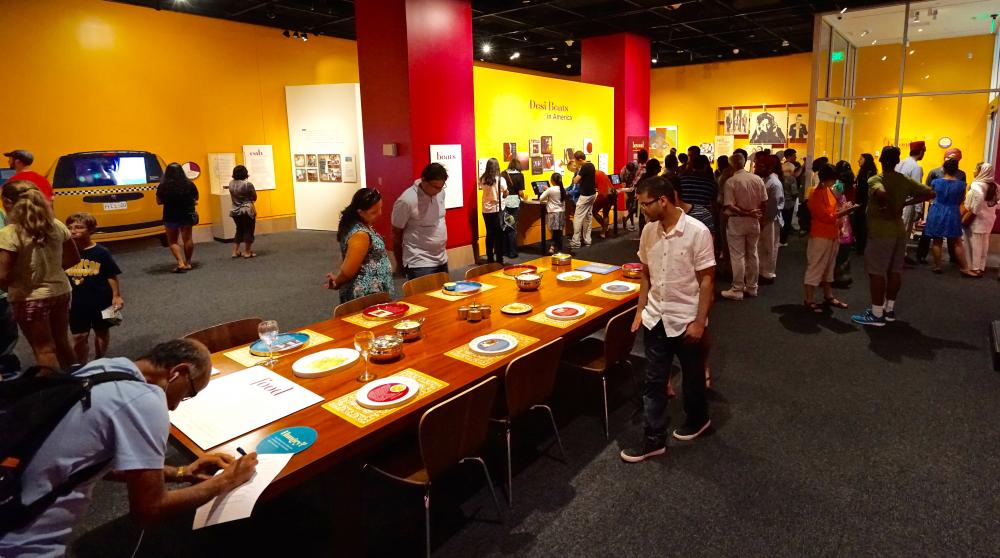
[(415, 66), (621, 61)]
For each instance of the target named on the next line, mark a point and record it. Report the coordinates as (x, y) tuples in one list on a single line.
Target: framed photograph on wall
[(768, 126), (535, 147), (300, 160), (537, 165), (312, 160), (736, 122), (797, 128), (550, 161), (312, 175), (661, 140), (588, 146), (300, 174), (509, 151), (546, 145)]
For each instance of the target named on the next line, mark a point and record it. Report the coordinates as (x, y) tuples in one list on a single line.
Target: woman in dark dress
[(859, 219), (178, 196)]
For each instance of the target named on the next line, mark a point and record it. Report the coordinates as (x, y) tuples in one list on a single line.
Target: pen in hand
[(241, 452)]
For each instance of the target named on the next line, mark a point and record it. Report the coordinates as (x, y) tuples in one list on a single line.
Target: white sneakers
[(733, 294)]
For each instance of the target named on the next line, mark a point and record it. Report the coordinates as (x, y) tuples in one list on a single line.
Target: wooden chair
[(593, 356), (528, 383), (425, 283), (483, 270), (228, 335), (451, 432), (359, 304)]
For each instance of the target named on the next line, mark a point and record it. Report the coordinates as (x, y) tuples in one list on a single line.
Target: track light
[(865, 32), (654, 61), (487, 48), (286, 33), (736, 51), (295, 35), (515, 56), (569, 42), (784, 43), (305, 36), (844, 11)]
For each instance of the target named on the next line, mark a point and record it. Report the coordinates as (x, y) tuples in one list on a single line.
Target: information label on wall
[(220, 168), (602, 162), (350, 168), (724, 145), (259, 161), (451, 157)]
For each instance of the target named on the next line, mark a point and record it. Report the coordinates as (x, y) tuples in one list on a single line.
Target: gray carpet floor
[(829, 439)]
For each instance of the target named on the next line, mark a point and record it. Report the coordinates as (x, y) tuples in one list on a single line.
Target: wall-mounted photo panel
[(300, 160), (798, 128), (736, 122), (546, 145), (509, 151), (550, 162), (661, 140), (535, 147), (768, 126), (537, 165)]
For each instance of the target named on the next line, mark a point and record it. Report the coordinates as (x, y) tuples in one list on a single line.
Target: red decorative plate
[(518, 269), (387, 311)]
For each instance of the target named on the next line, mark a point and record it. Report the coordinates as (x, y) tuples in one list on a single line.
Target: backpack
[(31, 407)]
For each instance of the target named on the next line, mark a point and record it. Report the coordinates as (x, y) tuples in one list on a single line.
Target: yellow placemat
[(359, 319), (346, 406), (441, 294), (243, 356), (502, 275), (468, 356), (612, 296), (562, 324)]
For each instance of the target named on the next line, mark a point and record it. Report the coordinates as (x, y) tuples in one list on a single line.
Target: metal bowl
[(409, 329), (528, 281), (562, 259), (632, 270), (385, 348)]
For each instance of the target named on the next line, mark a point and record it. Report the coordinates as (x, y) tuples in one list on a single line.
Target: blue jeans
[(660, 351), (414, 272)]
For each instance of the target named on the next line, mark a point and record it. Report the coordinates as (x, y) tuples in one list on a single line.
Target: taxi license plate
[(115, 206)]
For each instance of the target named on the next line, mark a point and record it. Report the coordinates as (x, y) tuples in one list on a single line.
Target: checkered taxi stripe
[(107, 191)]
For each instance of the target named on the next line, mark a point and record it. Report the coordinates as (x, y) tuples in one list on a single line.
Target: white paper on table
[(239, 502), (237, 403)]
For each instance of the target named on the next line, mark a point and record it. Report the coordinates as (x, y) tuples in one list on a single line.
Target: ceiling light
[(920, 30), (844, 11), (736, 51), (912, 51), (555, 58), (486, 48), (865, 32), (569, 65), (569, 42), (884, 58), (551, 48), (874, 42), (295, 34), (305, 36), (654, 61), (271, 15), (515, 56), (286, 33), (928, 76), (784, 43)]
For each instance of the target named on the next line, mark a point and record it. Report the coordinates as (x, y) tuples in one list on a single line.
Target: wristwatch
[(179, 473)]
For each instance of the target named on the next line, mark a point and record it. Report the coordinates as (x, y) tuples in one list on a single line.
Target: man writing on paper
[(126, 428)]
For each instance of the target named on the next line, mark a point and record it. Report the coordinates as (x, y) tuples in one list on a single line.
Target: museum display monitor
[(539, 186)]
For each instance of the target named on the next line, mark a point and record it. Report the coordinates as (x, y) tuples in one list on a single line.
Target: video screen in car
[(109, 170)]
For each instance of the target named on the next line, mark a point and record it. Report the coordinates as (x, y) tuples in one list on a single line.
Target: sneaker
[(687, 433), (640, 453), (750, 293), (782, 244), (732, 294), (889, 316), (868, 319)]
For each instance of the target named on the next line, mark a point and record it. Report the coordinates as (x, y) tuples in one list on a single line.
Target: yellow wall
[(100, 75), (503, 114), (690, 96), (963, 118)]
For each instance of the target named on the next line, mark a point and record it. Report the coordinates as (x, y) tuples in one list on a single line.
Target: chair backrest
[(359, 304), (483, 270), (619, 337), (228, 335), (531, 377), (457, 427), (425, 283)]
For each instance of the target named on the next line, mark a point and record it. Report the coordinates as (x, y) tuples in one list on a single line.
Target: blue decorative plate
[(493, 344), (285, 343), (462, 287)]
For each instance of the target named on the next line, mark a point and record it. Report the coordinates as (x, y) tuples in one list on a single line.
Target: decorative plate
[(285, 343), (493, 344), (513, 270), (619, 287), (387, 311), (567, 311), (462, 288), (324, 362), (574, 276), (386, 393), (516, 308)]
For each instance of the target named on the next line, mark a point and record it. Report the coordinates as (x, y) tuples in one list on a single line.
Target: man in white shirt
[(743, 196), (910, 167), (419, 233), (675, 296)]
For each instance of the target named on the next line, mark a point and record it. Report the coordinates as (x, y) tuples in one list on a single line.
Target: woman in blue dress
[(365, 269), (944, 219)]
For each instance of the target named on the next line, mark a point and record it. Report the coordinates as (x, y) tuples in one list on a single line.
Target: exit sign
[(837, 56)]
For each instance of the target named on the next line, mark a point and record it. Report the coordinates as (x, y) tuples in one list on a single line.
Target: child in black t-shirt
[(95, 288)]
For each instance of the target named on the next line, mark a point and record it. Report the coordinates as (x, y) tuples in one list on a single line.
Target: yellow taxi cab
[(117, 187)]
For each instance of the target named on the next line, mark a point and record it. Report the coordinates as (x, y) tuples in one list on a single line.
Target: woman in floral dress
[(365, 269)]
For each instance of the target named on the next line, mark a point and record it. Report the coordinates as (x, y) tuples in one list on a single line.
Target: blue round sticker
[(288, 440)]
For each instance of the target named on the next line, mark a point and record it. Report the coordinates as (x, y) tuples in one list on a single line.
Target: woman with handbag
[(244, 214), (178, 196), (494, 189), (981, 203)]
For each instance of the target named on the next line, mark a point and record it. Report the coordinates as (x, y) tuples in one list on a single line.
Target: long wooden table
[(340, 441)]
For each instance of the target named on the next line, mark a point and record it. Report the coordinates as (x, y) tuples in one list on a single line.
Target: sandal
[(178, 269), (835, 303), (967, 273), (250, 255), (812, 306)]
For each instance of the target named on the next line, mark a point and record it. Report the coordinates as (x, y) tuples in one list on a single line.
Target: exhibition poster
[(350, 169), (797, 129), (220, 169), (451, 157), (661, 140), (259, 161), (634, 144), (724, 145), (602, 162), (509, 151), (767, 126)]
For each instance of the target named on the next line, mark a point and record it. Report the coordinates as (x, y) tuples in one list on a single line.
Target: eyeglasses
[(649, 203), (192, 390)]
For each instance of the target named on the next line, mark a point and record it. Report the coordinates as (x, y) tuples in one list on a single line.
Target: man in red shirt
[(20, 160)]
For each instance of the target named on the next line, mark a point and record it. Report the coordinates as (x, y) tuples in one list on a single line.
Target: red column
[(621, 61), (415, 67)]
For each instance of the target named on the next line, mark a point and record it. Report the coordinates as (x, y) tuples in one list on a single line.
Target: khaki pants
[(583, 220), (768, 249), (743, 234), (980, 249)]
